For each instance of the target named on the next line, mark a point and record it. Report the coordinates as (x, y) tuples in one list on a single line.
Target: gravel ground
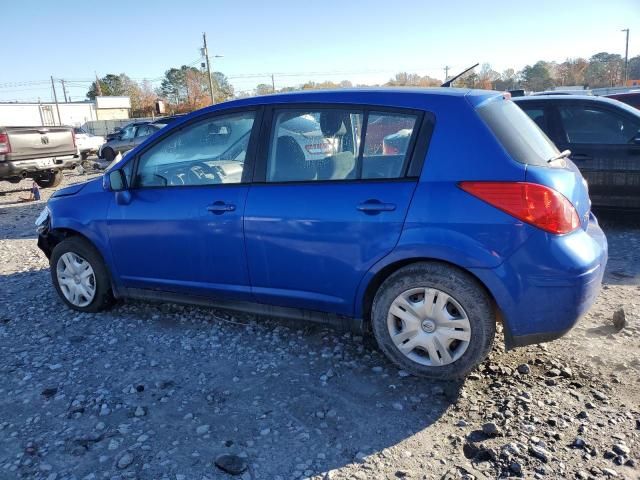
[(155, 391)]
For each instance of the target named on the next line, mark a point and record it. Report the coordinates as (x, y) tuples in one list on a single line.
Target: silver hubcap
[(429, 326), (76, 279)]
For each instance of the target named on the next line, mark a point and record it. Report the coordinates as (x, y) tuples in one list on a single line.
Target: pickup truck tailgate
[(39, 142)]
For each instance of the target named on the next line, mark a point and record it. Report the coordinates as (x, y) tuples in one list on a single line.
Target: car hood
[(76, 188)]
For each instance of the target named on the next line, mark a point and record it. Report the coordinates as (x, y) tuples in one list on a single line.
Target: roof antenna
[(451, 80)]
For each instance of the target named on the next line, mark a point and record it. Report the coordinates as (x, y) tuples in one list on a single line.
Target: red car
[(630, 98)]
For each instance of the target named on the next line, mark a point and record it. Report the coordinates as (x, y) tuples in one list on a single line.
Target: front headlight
[(42, 222)]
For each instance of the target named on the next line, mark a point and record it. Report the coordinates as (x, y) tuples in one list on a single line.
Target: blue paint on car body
[(311, 245)]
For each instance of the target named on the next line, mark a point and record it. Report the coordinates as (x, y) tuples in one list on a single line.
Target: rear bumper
[(19, 168), (547, 285)]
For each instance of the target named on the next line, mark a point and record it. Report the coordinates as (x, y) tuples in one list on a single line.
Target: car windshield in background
[(518, 134)]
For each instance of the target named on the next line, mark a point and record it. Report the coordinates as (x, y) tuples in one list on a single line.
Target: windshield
[(518, 134)]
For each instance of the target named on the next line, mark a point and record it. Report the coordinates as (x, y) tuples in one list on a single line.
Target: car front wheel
[(108, 154), (80, 276), (433, 320)]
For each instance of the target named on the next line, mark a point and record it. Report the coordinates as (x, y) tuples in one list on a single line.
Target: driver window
[(143, 131), (585, 124), (127, 133), (208, 152)]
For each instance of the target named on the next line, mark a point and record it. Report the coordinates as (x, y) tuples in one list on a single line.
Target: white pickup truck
[(87, 142), (40, 153)]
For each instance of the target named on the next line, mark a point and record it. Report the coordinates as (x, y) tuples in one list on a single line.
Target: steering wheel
[(197, 171)]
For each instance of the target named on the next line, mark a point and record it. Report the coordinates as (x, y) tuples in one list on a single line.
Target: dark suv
[(130, 136), (604, 138)]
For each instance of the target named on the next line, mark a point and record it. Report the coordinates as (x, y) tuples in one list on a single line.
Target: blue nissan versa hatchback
[(423, 215)]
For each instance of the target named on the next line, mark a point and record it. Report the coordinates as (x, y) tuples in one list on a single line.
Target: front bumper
[(548, 284), (19, 168)]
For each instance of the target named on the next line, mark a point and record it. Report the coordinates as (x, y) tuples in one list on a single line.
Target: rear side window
[(519, 135), (327, 144), (386, 144)]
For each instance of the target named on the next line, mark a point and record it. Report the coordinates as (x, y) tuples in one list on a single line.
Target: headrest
[(332, 123)]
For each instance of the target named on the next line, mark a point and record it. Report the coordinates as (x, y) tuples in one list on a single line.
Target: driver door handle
[(219, 207)]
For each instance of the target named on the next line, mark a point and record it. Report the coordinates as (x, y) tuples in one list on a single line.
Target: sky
[(297, 41)]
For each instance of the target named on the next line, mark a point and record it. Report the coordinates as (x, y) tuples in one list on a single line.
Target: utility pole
[(98, 87), (446, 72), (64, 91), (273, 84), (626, 58), (55, 99), (206, 56)]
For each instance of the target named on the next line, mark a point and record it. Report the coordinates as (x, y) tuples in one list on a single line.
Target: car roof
[(380, 95), (400, 97), (565, 98), (633, 93)]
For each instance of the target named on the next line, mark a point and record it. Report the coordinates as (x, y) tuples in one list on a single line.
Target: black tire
[(108, 154), (50, 179), (464, 289), (103, 298)]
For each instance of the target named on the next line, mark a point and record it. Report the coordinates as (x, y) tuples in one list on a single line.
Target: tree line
[(186, 88), (183, 89)]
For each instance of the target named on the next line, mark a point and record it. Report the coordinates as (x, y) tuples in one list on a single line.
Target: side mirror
[(116, 180)]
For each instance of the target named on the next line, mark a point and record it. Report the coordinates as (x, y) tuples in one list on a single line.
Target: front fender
[(84, 213)]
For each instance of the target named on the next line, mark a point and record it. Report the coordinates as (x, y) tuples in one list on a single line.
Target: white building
[(70, 113)]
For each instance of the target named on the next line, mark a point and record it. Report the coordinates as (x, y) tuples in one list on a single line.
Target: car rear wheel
[(433, 320), (108, 154), (50, 179), (80, 276)]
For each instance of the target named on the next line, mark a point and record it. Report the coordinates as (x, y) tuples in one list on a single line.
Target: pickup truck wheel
[(108, 154), (433, 320), (80, 276), (50, 179)]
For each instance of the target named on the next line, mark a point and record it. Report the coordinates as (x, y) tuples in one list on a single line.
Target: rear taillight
[(536, 204), (5, 146)]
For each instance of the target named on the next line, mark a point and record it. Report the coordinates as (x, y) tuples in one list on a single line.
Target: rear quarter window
[(523, 140)]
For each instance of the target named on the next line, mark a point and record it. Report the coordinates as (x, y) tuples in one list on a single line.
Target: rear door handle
[(371, 207), (219, 207)]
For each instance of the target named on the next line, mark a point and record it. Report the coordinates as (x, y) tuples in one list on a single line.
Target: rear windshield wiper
[(560, 156)]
